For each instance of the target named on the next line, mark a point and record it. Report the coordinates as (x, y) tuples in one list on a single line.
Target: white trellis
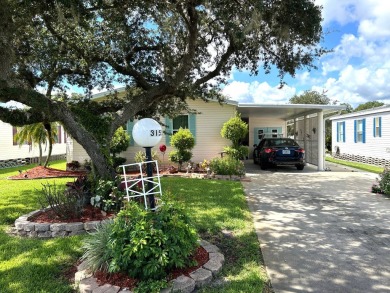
[(137, 185)]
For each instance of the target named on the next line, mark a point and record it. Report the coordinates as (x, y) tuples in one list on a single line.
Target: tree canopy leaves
[(162, 51)]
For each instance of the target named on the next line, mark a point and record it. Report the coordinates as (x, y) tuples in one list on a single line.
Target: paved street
[(321, 231)]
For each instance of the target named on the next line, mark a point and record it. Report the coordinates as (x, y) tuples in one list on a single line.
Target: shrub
[(66, 204), (384, 181), (234, 129), (227, 166), (184, 142), (239, 153), (107, 195), (96, 255), (74, 165), (146, 244)]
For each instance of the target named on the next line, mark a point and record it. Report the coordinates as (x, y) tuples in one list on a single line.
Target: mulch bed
[(40, 172), (90, 213)]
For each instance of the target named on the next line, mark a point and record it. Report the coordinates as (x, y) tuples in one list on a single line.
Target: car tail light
[(300, 151), (268, 150)]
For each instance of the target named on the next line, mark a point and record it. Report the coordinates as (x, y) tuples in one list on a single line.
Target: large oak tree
[(163, 51)]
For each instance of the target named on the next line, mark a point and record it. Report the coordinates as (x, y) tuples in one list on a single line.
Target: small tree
[(235, 129), (184, 142), (119, 143)]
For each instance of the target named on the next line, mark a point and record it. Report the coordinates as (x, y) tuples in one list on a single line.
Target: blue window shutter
[(355, 130), (168, 130), (129, 126), (373, 128), (380, 126), (192, 124), (344, 134), (338, 131), (364, 130)]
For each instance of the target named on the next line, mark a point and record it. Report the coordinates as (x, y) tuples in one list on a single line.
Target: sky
[(357, 71)]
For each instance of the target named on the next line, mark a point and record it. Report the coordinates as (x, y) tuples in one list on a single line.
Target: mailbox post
[(147, 133)]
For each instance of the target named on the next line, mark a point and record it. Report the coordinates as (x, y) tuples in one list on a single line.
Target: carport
[(306, 123)]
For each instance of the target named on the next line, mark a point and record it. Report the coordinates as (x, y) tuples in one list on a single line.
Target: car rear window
[(282, 142)]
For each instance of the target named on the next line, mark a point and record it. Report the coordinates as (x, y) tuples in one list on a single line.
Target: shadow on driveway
[(321, 231)]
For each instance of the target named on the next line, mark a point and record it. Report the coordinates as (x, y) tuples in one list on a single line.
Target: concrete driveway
[(321, 231)]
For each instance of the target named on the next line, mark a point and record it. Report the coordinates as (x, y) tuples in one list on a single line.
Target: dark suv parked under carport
[(279, 151)]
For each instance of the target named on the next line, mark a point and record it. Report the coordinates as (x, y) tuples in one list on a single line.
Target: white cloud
[(259, 93)]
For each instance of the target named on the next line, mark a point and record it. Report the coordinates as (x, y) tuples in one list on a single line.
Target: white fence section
[(137, 185)]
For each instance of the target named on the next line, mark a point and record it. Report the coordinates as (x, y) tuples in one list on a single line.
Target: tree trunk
[(40, 154), (49, 153)]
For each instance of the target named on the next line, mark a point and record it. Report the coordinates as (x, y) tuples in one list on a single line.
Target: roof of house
[(281, 111), (285, 111), (376, 110)]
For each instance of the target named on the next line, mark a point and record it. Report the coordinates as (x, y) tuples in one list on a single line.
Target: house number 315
[(155, 132)]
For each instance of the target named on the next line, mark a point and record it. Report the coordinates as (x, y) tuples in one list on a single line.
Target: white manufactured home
[(263, 121), (10, 151), (363, 136)]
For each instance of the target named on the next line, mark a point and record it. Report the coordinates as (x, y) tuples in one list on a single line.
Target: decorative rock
[(217, 256), (20, 224), (42, 227), (91, 225), (44, 234), (88, 285), (213, 266), (106, 289), (125, 291), (209, 247), (59, 234), (201, 277), (183, 284), (74, 233), (29, 227), (82, 266), (57, 227), (166, 290), (72, 227), (81, 275)]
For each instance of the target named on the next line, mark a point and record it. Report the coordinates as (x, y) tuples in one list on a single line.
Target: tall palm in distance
[(38, 134)]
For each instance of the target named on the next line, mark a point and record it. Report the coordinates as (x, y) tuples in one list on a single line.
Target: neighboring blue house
[(363, 136)]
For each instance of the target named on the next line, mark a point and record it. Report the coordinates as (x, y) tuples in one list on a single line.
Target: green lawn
[(33, 265), (357, 165)]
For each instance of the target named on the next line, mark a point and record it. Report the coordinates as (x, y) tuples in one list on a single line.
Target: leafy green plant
[(107, 195), (227, 166), (384, 181), (145, 244), (184, 142), (96, 255), (238, 153), (234, 129), (65, 204)]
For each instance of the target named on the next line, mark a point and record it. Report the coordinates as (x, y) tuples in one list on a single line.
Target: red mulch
[(200, 256), (89, 213), (40, 172)]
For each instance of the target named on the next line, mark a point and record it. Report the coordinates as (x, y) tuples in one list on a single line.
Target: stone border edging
[(86, 283), (24, 227)]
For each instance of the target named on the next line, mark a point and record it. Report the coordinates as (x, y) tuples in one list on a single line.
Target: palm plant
[(38, 134)]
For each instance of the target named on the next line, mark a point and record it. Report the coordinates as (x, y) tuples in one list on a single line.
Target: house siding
[(9, 151), (374, 147), (209, 143)]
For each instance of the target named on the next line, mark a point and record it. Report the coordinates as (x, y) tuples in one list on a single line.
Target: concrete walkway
[(321, 231)]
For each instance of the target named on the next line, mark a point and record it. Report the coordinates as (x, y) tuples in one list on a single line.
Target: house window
[(360, 130), (341, 131), (274, 133), (178, 122), (260, 134), (377, 126)]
